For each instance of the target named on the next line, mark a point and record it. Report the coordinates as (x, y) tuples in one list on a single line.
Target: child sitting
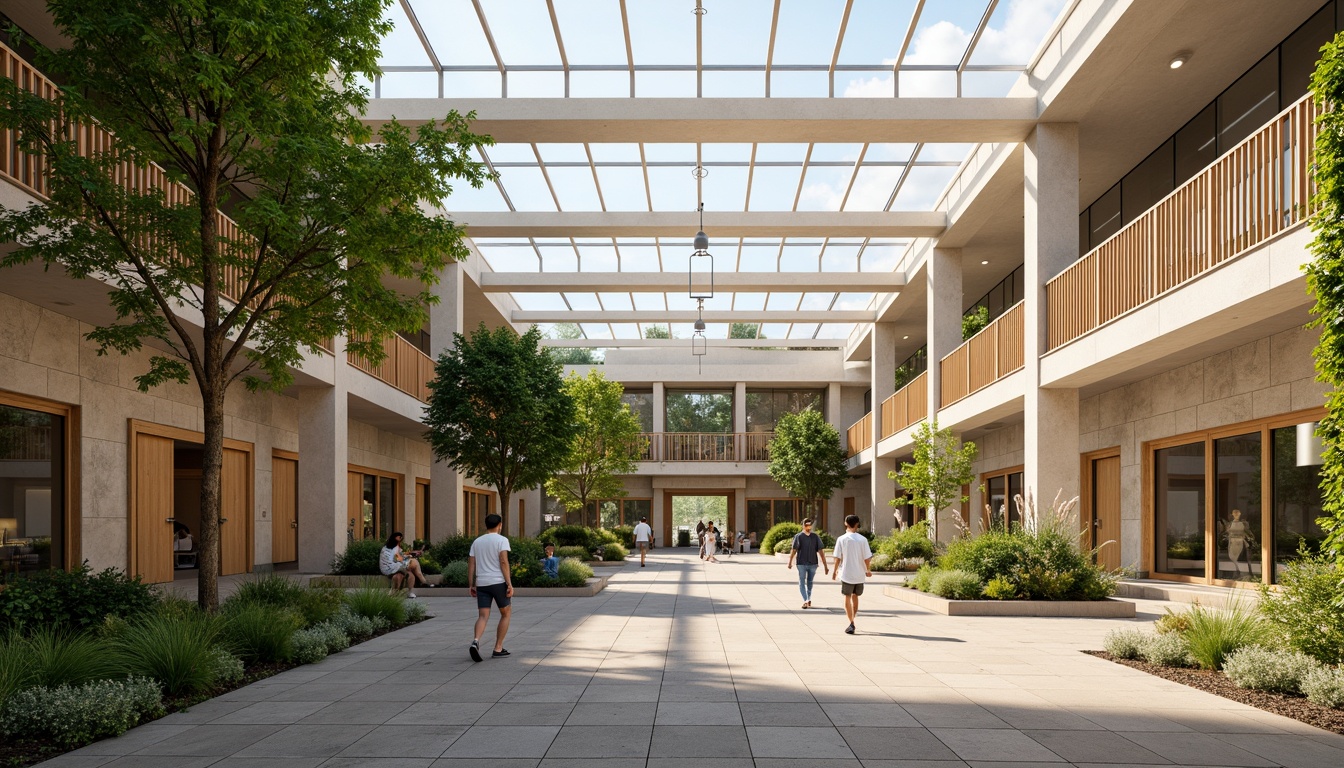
[(551, 565)]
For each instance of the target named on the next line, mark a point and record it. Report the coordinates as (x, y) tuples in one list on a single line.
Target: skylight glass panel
[(721, 85), (824, 188), (816, 301), (522, 31), (725, 188), (662, 32), (508, 259), (987, 85), (865, 84), (540, 302), (408, 85), (807, 31), (598, 258), (639, 258), (749, 301), (802, 330), (583, 302), (726, 153), (467, 198), (401, 47), (681, 331), (783, 301), (953, 153), (575, 188), (462, 85), (660, 84), (617, 301), (1015, 31), (737, 32), (773, 331), (799, 84), (615, 153), (562, 153), (591, 31), (455, 32), (781, 152), (625, 330), (798, 258), (527, 189), (835, 330), (671, 153), (674, 190), (773, 188), (944, 31), (716, 330), (536, 85), (644, 330), (875, 31), (650, 302), (622, 188), (840, 258), (922, 188), (512, 153), (933, 85), (758, 258), (880, 257), (853, 301), (599, 85), (835, 153), (558, 258), (680, 301), (596, 330), (873, 188)]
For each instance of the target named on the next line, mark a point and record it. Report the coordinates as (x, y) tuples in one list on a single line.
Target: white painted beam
[(689, 316), (664, 282), (686, 343), (719, 224), (727, 120)]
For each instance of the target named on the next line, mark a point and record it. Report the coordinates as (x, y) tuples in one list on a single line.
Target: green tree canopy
[(571, 355), (253, 108), (942, 465), (498, 410), (806, 458), (699, 412), (604, 447), (657, 331), (744, 330)]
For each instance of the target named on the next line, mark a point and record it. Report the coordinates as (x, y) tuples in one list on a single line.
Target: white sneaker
[(410, 596)]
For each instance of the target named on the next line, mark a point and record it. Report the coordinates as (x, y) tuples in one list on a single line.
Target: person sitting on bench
[(401, 568)]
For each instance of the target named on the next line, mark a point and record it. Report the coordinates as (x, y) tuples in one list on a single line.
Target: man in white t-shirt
[(643, 538), (489, 579), (853, 558)]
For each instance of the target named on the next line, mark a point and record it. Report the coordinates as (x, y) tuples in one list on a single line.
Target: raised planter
[(1093, 609), (606, 563), (595, 585), (355, 582)]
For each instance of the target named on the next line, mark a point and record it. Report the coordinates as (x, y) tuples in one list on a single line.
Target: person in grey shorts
[(853, 559), (807, 549), (489, 580)]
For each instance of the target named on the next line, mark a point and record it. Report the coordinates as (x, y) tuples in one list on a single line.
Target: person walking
[(853, 560), (807, 548), (643, 538), (489, 580), (700, 537), (711, 543)]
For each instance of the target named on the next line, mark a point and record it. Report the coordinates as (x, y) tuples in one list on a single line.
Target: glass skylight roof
[(458, 49)]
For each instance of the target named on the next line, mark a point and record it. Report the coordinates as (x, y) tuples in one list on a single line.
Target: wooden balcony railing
[(405, 367), (908, 406), (706, 446), (1258, 189), (983, 359), (25, 442), (860, 435)]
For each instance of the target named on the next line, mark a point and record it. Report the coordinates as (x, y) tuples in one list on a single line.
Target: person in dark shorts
[(853, 559), (807, 549), (489, 580)]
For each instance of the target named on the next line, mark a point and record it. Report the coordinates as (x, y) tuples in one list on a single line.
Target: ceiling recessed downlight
[(1179, 60), (983, 263)]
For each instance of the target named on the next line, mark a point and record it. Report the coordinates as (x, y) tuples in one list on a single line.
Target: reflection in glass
[(611, 513), (1297, 501), (995, 492), (758, 517), (32, 463), (387, 505), (1237, 507), (1014, 491), (369, 502), (1178, 509)]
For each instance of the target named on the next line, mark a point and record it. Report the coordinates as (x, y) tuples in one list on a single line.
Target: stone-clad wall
[(1267, 377)]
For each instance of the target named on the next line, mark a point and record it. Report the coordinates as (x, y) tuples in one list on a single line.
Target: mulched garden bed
[(1296, 707), (26, 752)]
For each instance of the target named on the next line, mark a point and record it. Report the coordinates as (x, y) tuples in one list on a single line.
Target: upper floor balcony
[(706, 446)]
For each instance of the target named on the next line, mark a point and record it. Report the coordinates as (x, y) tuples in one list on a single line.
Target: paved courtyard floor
[(715, 666)]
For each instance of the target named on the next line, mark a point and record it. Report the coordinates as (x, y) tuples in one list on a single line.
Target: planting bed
[(1100, 609)]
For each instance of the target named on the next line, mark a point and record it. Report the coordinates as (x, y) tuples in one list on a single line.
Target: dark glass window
[(765, 407), (1196, 144), (1178, 509), (1148, 183), (700, 412), (1297, 501), (1300, 53), (32, 485), (641, 404), (1248, 103), (1106, 219), (1084, 232), (1237, 507)]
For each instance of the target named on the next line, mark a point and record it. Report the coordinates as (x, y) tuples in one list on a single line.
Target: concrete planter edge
[(1109, 608)]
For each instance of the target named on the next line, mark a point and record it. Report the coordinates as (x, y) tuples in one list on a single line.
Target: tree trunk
[(212, 471), (504, 494)]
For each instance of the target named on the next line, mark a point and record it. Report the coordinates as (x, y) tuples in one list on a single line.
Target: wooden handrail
[(404, 367), (860, 435), (705, 446), (986, 357), (1258, 189), (909, 405)]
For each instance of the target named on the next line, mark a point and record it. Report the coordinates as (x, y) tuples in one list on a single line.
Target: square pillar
[(740, 407), (943, 316), (834, 406), (1050, 162), (323, 467), (883, 371), (445, 483)]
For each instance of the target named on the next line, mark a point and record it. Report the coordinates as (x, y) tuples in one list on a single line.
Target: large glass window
[(641, 404), (610, 513), (1299, 53), (1106, 219), (699, 411), (1297, 499), (1249, 103), (477, 504), (765, 407), (1237, 507), (32, 482), (1002, 487), (762, 514), (1178, 508), (1148, 183)]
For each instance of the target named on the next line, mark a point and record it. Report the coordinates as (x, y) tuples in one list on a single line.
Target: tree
[(604, 446), (658, 331), (942, 466), (498, 410), (1325, 280), (570, 355), (254, 109), (743, 330), (699, 412), (806, 458)]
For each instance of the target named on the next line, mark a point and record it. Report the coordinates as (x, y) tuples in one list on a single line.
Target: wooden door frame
[(420, 534), (399, 497), (494, 496), (668, 493), (72, 548), (1007, 500), (137, 427), (1086, 508), (279, 453)]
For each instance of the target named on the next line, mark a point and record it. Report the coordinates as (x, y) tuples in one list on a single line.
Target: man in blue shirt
[(807, 548), (551, 565)]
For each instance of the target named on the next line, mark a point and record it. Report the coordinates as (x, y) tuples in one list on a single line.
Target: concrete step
[(1176, 592)]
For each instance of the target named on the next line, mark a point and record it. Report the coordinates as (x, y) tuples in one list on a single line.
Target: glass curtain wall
[(1001, 491), (641, 404), (1237, 508), (32, 485), (1178, 509), (611, 513), (765, 407), (1297, 500)]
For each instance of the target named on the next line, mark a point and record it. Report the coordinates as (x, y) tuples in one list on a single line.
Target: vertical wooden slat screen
[(908, 406), (405, 367), (983, 359), (860, 434), (1255, 191)]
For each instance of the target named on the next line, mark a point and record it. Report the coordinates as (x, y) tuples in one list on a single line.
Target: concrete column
[(740, 407), (323, 445), (943, 315), (656, 517), (1050, 222), (834, 406), (445, 483), (883, 370), (659, 424)]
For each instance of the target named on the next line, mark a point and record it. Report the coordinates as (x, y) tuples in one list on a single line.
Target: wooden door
[(235, 512), (354, 498), (152, 513), (284, 509), (849, 510), (422, 510), (1106, 510)]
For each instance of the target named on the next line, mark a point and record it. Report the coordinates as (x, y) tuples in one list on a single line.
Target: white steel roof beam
[(690, 315), (675, 282), (720, 224)]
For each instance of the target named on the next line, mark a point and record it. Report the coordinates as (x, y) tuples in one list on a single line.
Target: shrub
[(914, 541), (1043, 565), (1306, 612), (373, 602), (414, 612), (177, 652), (428, 565), (1325, 686), (881, 562), (615, 552), (309, 647), (227, 667), (573, 573), (992, 553), (1000, 588), (783, 546), (360, 558), (785, 531), (828, 541), (260, 633), (1170, 621), (1167, 650), (455, 574), (525, 550), (525, 573), (1095, 584), (14, 670), (626, 534), (955, 585), (1262, 669), (1042, 583), (74, 715), (78, 599), (922, 578), (57, 657), (351, 625), (451, 549), (315, 605), (1213, 634), (600, 537), (578, 553), (1126, 643), (567, 536)]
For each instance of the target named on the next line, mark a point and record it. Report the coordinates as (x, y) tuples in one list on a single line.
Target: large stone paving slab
[(691, 665)]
